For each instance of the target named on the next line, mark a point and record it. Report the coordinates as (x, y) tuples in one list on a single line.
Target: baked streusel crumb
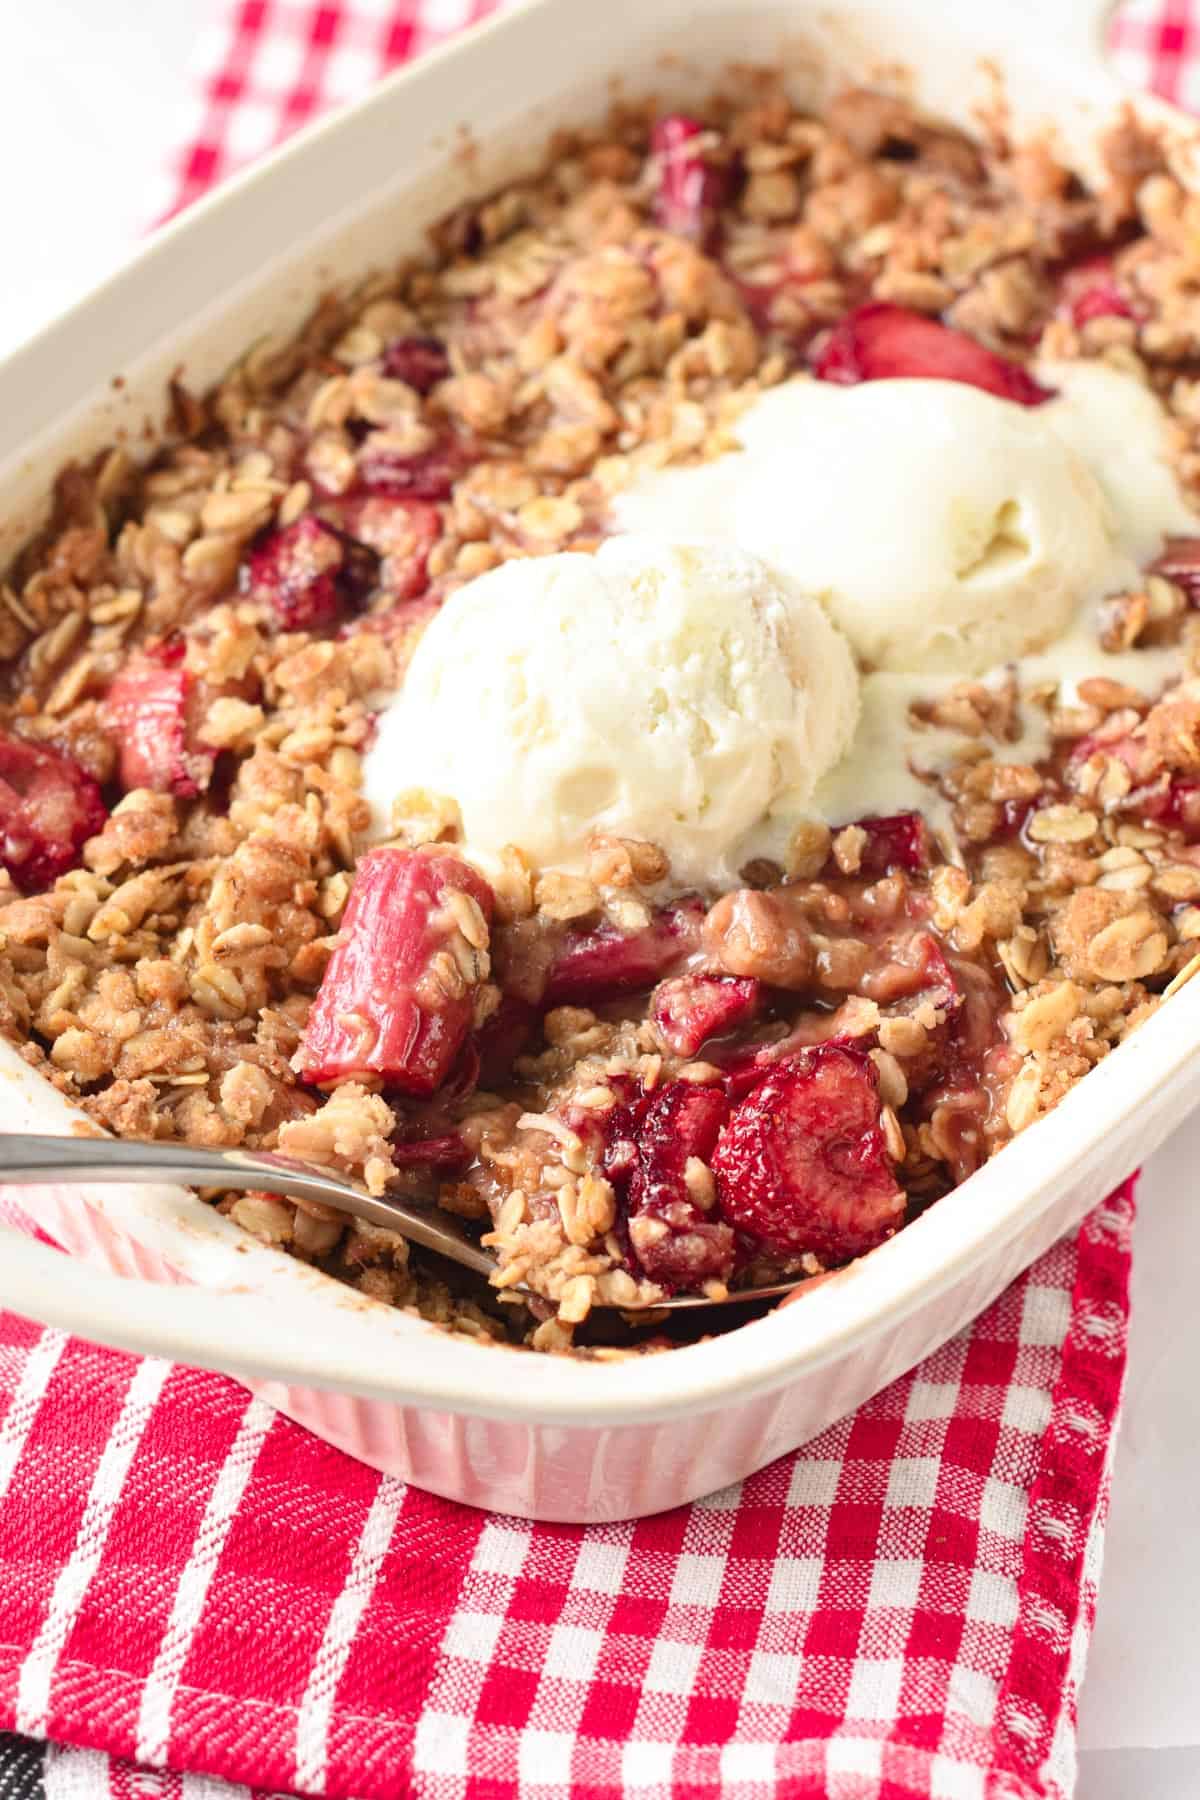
[(632, 1090)]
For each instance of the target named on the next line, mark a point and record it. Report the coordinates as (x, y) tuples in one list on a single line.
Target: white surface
[(90, 152), (93, 97)]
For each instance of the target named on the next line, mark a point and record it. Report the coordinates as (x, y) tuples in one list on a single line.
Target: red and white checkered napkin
[(899, 1611)]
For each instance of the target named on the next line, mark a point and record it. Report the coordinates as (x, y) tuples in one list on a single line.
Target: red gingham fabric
[(271, 65), (1155, 45), (899, 1611)]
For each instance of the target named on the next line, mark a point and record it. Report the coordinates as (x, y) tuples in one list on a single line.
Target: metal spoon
[(25, 1158)]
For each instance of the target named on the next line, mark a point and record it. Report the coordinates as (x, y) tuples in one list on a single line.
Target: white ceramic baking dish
[(539, 1436)]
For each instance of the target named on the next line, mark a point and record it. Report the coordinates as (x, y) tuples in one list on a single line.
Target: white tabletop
[(93, 98)]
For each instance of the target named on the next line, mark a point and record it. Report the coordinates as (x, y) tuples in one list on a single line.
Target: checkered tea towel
[(899, 1611), (200, 1601)]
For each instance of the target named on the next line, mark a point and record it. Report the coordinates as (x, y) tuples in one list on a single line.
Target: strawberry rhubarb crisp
[(669, 727)]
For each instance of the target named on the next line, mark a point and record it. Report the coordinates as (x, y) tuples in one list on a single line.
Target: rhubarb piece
[(49, 807), (594, 965), (429, 475), (1180, 563), (419, 362), (308, 573), (897, 841), (690, 190), (658, 1153), (802, 1163), (153, 710), (1089, 290), (397, 999), (401, 533), (880, 342), (693, 1008)]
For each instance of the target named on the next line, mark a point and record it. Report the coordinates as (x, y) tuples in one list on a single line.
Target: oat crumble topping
[(630, 1095)]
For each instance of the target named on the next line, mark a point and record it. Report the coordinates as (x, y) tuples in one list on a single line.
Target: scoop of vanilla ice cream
[(668, 691), (945, 530), (1118, 426)]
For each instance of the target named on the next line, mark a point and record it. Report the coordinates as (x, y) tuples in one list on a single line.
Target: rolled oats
[(563, 339)]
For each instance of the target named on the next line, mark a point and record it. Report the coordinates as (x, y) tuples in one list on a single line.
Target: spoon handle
[(28, 1158)]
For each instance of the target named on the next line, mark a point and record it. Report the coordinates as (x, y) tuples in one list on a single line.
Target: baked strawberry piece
[(397, 1000), (693, 1008), (308, 573), (657, 1156), (49, 807), (881, 342), (419, 362), (690, 189), (802, 1163), (153, 711), (593, 965)]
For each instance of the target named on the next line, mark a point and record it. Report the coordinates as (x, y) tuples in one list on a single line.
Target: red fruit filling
[(1125, 749), (921, 977), (936, 978), (430, 475), (419, 362), (802, 1163), (690, 190), (445, 1152), (693, 1008), (1168, 799), (676, 1237), (593, 965), (1089, 291), (880, 342), (1180, 563), (397, 1000), (49, 807), (153, 710), (401, 533), (308, 572), (899, 841), (502, 1037), (1177, 805)]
